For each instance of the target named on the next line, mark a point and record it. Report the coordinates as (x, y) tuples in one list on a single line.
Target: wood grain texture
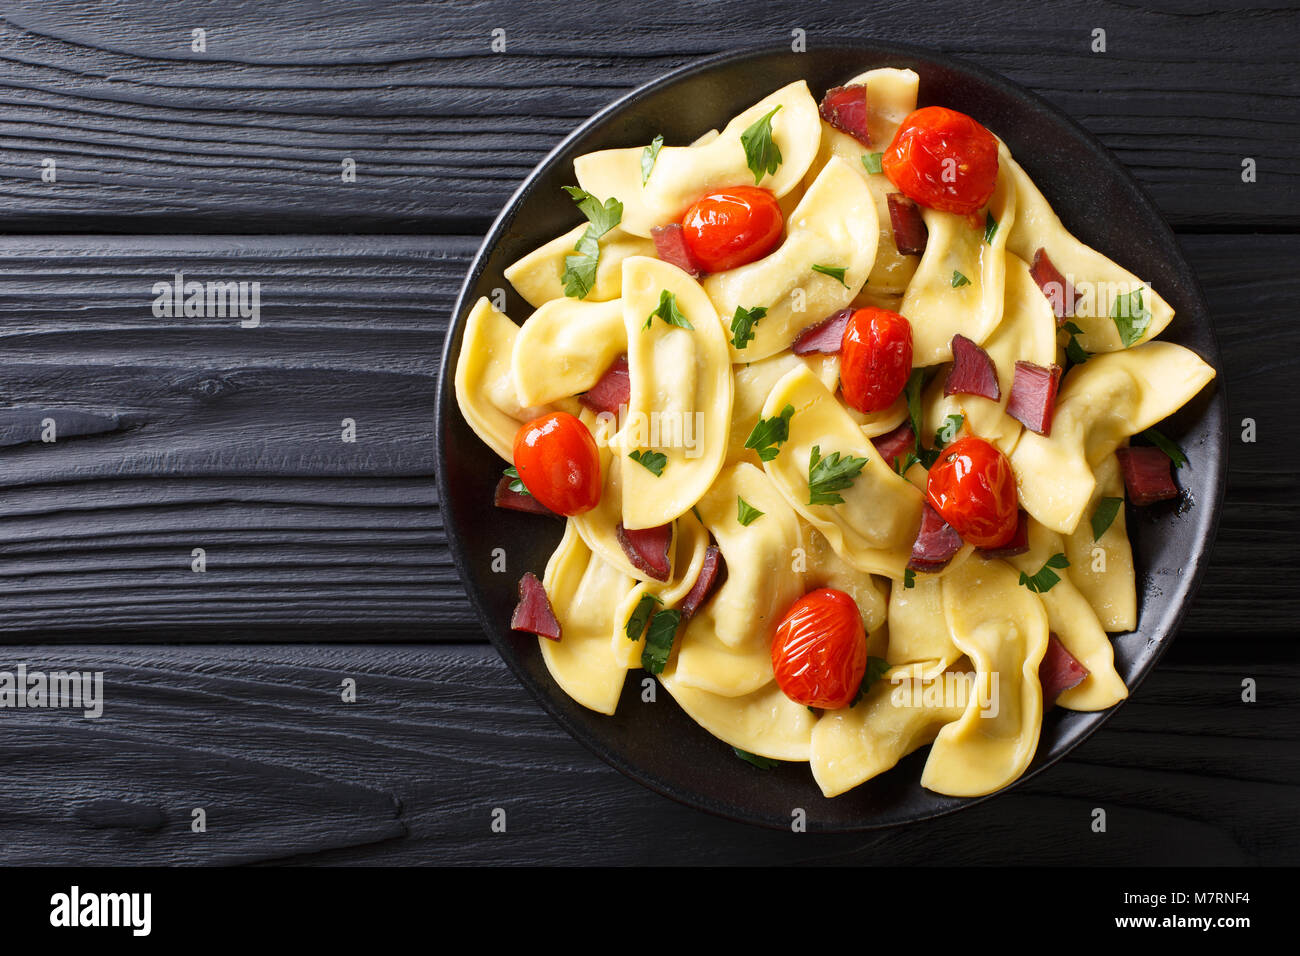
[(438, 738), (249, 135), (192, 432)]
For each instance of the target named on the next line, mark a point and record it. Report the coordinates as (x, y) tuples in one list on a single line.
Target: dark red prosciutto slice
[(972, 371), (910, 234), (1018, 544), (1059, 292), (936, 543), (647, 549), (670, 246), (1059, 671), (1033, 396), (712, 573), (534, 610), (1148, 474), (517, 501), (845, 108), (895, 444), (825, 337), (613, 389)]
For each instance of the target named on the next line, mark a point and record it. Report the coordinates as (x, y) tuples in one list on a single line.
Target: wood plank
[(438, 737), (249, 135), (228, 439)]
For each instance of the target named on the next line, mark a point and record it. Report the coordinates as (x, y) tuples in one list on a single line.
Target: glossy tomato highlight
[(943, 159), (875, 358), (558, 463), (974, 490), (732, 227), (819, 652)]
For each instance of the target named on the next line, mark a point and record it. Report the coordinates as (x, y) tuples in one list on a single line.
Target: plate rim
[(869, 48)]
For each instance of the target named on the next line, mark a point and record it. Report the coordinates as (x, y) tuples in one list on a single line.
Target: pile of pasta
[(975, 618)]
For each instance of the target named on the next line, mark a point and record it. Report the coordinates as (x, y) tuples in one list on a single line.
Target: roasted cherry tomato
[(819, 653), (732, 227), (943, 159), (973, 488), (557, 461), (875, 358)]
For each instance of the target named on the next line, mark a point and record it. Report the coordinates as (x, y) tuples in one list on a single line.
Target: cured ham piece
[(612, 390), (1059, 671), (647, 549), (1018, 544), (533, 612), (972, 371), (1059, 292), (910, 233), (825, 337), (1033, 396), (518, 501), (845, 108), (1148, 474), (895, 444), (936, 543), (670, 246), (712, 573)]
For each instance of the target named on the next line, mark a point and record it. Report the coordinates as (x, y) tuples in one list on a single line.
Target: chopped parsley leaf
[(746, 513), (828, 475), (668, 311), (648, 157), (770, 433), (651, 461), (742, 324), (1104, 515), (1045, 578), (762, 156)]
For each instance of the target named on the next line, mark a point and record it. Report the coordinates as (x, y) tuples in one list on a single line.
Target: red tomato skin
[(558, 463), (875, 358), (973, 488), (914, 161), (732, 227), (819, 651)]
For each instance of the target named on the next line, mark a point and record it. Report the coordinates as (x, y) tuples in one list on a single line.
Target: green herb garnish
[(1170, 448), (948, 430), (959, 280), (641, 616), (990, 228), (762, 763), (742, 324), (659, 640), (909, 578), (770, 433), (648, 157), (877, 667), (1104, 515), (516, 483), (580, 269), (746, 513), (762, 156), (829, 475), (834, 272), (1132, 318), (1074, 352), (912, 390), (1045, 579), (872, 162), (651, 461), (668, 311)]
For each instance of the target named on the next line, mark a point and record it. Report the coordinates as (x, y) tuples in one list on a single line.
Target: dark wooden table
[(325, 559)]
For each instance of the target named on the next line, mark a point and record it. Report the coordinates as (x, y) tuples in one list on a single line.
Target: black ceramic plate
[(1096, 198)]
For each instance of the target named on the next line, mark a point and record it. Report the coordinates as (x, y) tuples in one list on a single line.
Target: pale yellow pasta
[(1002, 628), (833, 226), (1102, 568), (765, 722), (1101, 403), (682, 174), (585, 592), (874, 528), (539, 276), (1096, 279), (680, 403), (960, 282), (485, 389), (753, 383), (918, 629), (564, 348), (826, 569)]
